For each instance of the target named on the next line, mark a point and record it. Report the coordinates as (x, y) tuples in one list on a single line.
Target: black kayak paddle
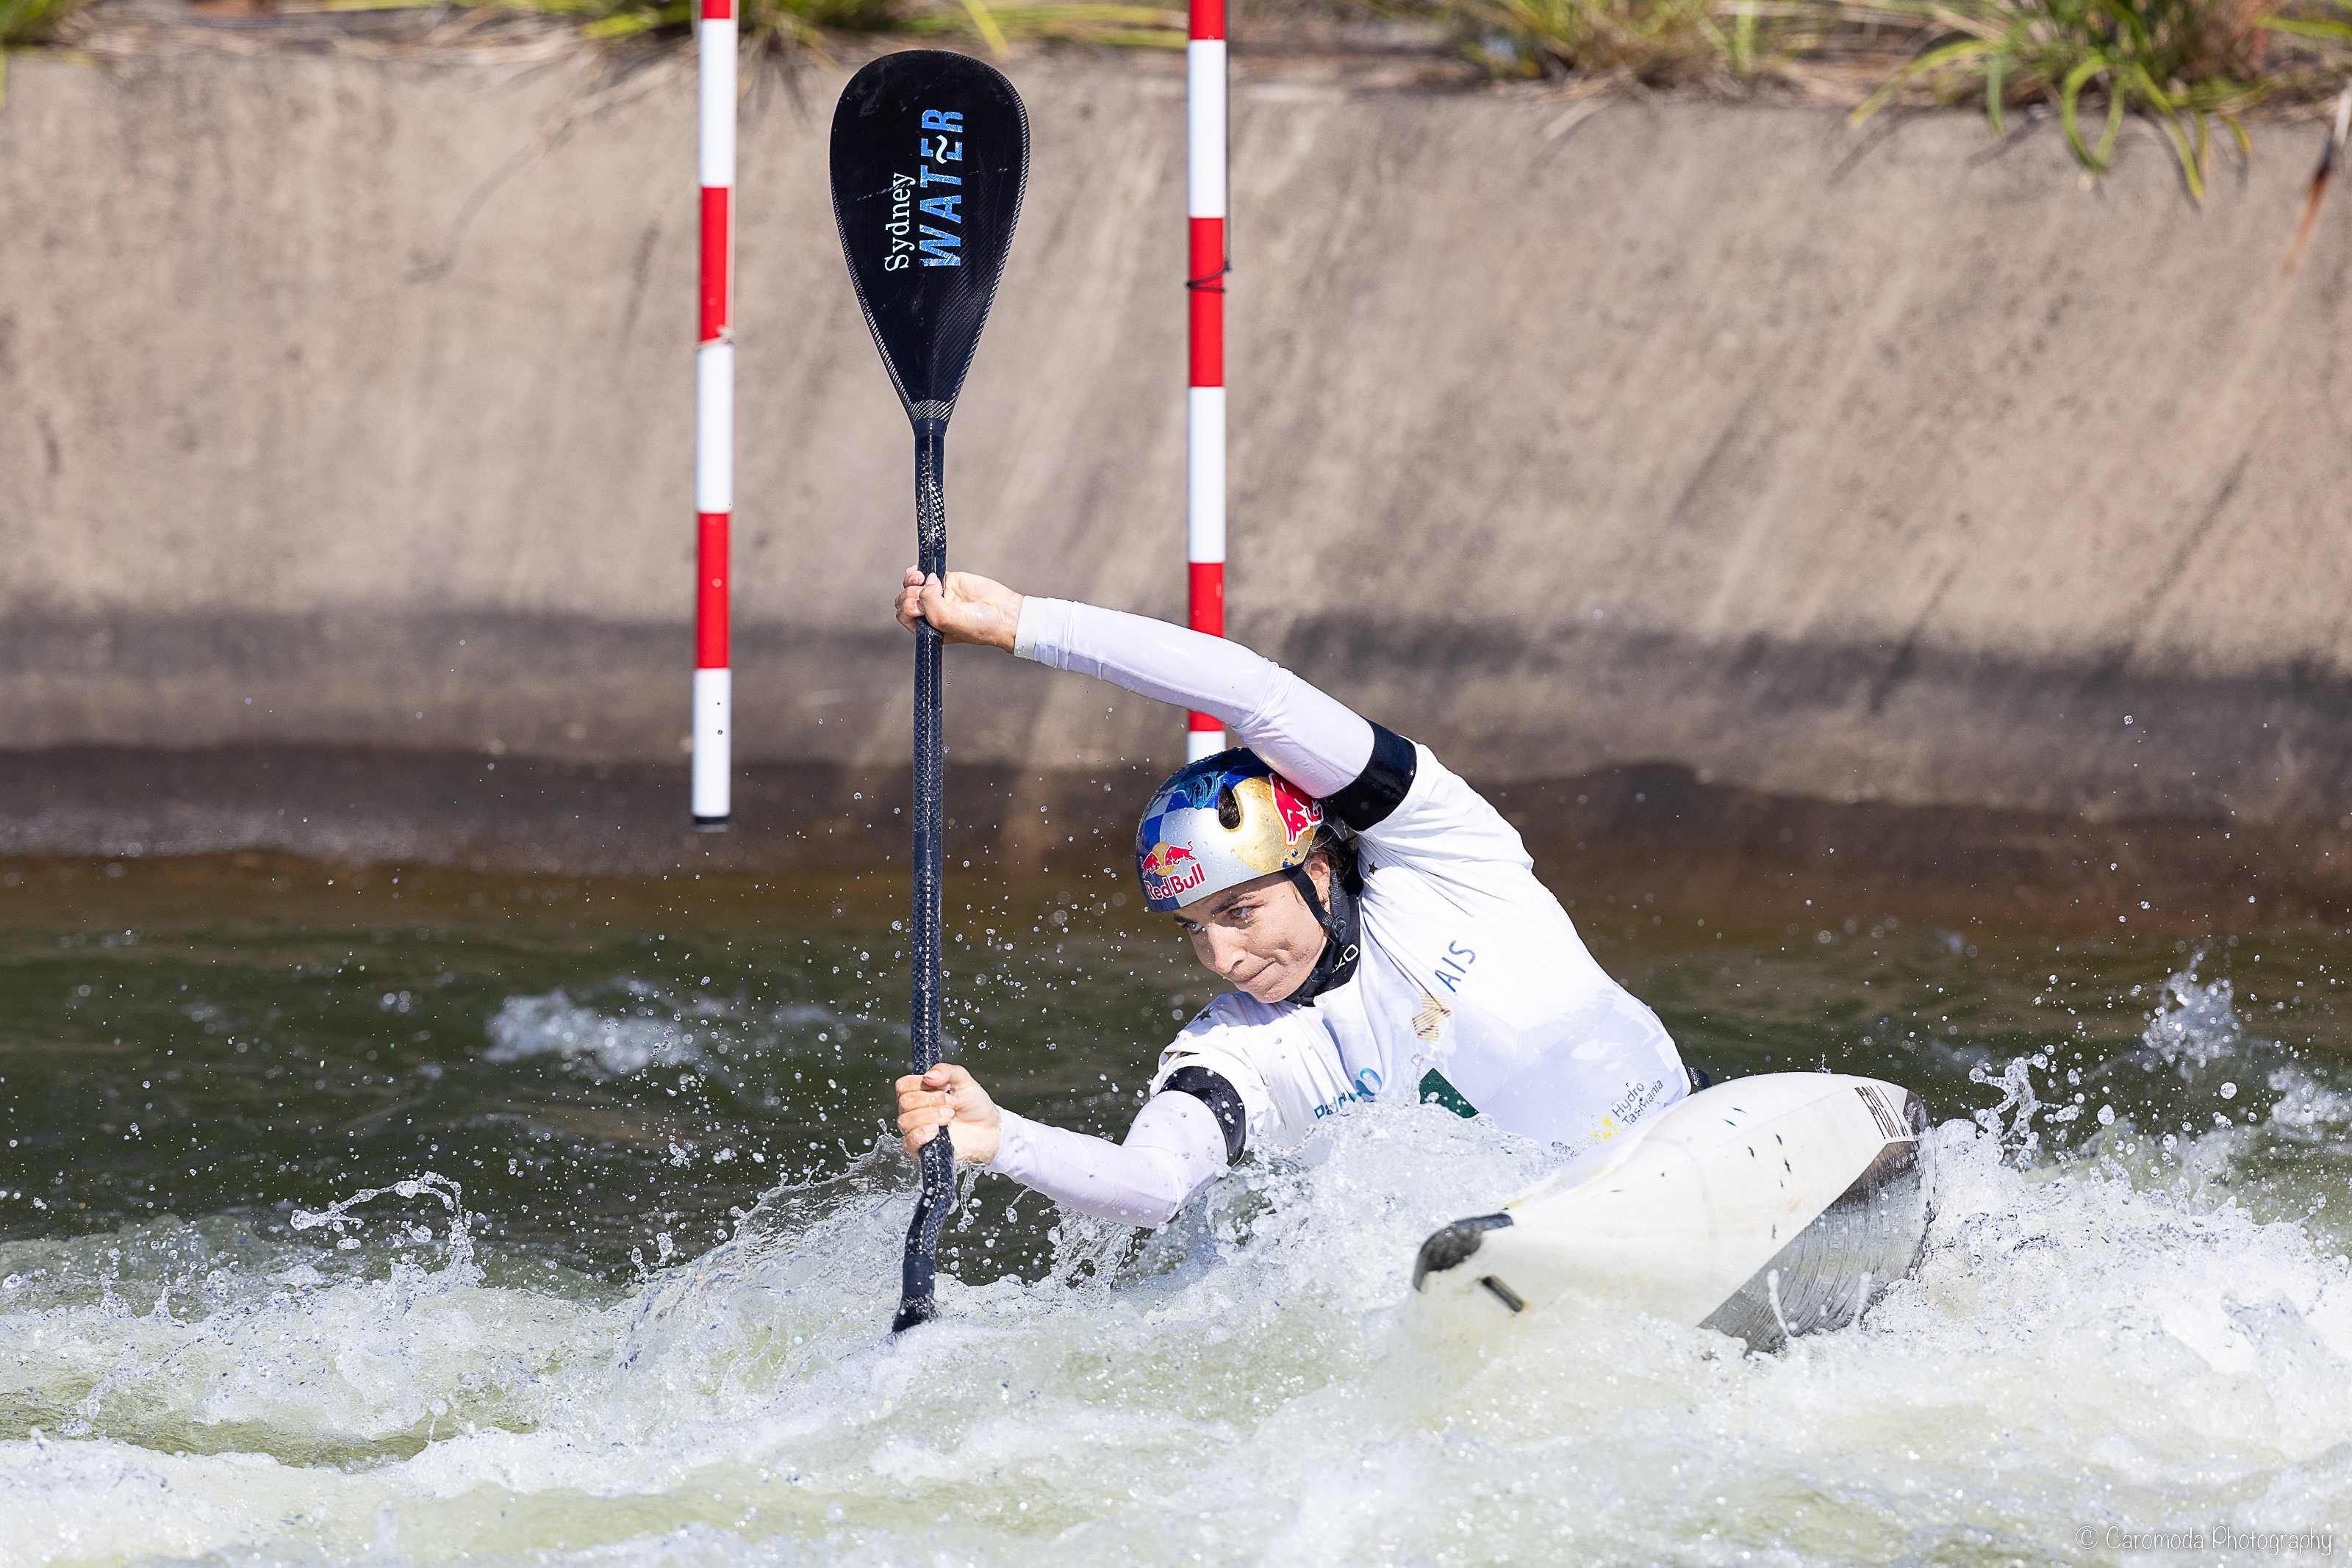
[(930, 155)]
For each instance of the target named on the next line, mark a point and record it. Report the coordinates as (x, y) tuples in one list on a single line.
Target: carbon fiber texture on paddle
[(930, 158), (930, 742), (916, 1304)]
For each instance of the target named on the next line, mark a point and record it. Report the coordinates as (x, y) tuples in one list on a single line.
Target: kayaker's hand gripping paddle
[(930, 154)]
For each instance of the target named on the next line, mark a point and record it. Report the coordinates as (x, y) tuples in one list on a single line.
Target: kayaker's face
[(1260, 935)]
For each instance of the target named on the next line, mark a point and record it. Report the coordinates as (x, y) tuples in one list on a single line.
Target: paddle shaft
[(915, 1301), (929, 159)]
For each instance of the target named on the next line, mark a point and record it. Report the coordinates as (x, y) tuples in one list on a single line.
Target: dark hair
[(1229, 810)]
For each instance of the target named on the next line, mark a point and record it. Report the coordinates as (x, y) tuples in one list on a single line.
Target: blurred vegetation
[(1657, 43), (995, 24), (2186, 66), (2181, 64), (24, 24), (31, 21), (2189, 68)]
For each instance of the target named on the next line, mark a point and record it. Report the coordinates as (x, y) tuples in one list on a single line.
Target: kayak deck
[(1764, 1208)]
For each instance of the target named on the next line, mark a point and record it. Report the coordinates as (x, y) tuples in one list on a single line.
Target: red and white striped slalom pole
[(1204, 285), (714, 420)]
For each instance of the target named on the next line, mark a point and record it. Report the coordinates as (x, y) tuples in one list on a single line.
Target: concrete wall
[(348, 404)]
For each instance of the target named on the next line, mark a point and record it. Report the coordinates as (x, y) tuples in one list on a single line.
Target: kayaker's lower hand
[(949, 1096), (965, 608)]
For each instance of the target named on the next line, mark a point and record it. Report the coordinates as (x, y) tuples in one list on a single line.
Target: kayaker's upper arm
[(1410, 808), (1247, 1057), (1224, 1100), (1308, 737), (1383, 784)]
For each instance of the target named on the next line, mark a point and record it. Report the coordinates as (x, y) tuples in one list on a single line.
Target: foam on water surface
[(2073, 1347), (2139, 1320)]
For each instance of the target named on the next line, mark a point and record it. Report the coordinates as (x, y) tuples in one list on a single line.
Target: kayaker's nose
[(1452, 1245)]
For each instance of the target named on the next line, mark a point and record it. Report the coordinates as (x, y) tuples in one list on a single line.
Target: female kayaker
[(1381, 925)]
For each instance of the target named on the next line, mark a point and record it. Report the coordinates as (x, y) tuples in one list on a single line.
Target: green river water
[(620, 1294)]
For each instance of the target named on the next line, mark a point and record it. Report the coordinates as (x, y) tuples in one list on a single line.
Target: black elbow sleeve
[(1382, 787), (1211, 1090)]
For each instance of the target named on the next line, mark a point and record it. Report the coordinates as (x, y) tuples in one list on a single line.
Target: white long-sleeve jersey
[(1473, 989)]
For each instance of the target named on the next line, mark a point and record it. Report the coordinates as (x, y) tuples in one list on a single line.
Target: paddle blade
[(930, 154)]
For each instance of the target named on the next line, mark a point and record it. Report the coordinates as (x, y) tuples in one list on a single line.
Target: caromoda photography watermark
[(2207, 1538)]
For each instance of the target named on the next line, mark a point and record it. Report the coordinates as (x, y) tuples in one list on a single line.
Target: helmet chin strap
[(1342, 928), (1306, 886)]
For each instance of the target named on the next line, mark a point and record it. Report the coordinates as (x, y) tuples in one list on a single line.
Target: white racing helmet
[(1185, 849)]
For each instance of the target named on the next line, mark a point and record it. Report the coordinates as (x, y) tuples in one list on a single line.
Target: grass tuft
[(2180, 63), (2191, 67), (1056, 21), (763, 23), (1658, 43), (805, 23), (24, 24)]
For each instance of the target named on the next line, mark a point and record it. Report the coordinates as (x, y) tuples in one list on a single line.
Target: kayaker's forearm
[(1309, 738), (1172, 1150)]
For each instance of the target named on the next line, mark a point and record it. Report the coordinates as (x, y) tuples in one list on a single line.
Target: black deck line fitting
[(1450, 1245)]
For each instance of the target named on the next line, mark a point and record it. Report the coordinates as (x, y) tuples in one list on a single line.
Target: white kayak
[(1765, 1207)]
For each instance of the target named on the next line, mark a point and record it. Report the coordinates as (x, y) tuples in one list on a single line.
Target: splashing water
[(2194, 1024), (554, 1025), (1243, 1386), (458, 1246), (2142, 1320), (659, 1029), (2017, 1134)]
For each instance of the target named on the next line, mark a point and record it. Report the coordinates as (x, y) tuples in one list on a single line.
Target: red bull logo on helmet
[(1170, 872), (1278, 822), (1299, 813)]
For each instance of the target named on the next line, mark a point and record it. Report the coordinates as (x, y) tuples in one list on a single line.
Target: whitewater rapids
[(2078, 1349)]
